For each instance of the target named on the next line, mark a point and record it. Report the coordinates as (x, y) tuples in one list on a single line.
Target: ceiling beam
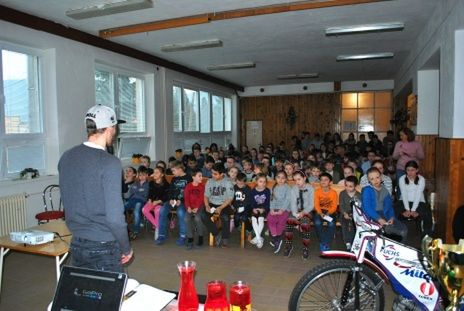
[(224, 15), (41, 24)]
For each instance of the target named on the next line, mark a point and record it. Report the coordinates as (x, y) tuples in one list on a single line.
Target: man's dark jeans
[(96, 255)]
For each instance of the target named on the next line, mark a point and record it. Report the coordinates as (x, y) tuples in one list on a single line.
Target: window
[(200, 111), (22, 140), (125, 94), (366, 111)]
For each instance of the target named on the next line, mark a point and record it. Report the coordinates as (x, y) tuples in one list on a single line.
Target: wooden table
[(58, 248)]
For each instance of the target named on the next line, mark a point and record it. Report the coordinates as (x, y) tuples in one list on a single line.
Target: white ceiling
[(284, 43)]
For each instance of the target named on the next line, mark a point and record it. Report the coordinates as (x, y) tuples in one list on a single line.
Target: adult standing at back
[(90, 186), (407, 149)]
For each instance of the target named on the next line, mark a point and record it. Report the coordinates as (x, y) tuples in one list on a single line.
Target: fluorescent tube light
[(231, 66), (192, 45), (341, 58), (336, 31), (298, 76), (109, 8)]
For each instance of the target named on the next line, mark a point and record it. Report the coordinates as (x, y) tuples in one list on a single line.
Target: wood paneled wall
[(449, 172), (315, 112), (427, 166)]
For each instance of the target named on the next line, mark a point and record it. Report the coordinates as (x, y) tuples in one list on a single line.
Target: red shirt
[(194, 196)]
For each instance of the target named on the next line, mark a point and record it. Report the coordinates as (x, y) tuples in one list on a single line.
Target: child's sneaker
[(180, 241), (156, 234), (278, 246), (160, 240), (288, 250), (260, 243), (254, 240), (348, 246), (189, 246), (305, 254)]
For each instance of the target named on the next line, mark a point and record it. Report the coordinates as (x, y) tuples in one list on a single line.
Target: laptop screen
[(86, 289)]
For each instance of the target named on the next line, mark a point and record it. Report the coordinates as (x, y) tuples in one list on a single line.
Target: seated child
[(219, 193), (260, 198), (242, 202), (315, 173), (350, 193), (248, 169), (325, 208), (279, 210), (302, 204), (377, 205), (176, 202), (136, 197), (157, 196), (206, 170), (194, 194), (130, 175)]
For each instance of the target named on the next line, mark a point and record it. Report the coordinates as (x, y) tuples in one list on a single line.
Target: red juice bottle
[(240, 297), (216, 299)]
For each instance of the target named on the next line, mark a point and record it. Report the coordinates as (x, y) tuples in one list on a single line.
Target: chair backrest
[(52, 198)]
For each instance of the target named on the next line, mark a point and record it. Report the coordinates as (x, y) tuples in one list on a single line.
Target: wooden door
[(254, 133)]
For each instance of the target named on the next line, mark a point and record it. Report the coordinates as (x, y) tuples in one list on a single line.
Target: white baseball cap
[(103, 116)]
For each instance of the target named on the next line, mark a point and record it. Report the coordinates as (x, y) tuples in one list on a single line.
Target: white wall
[(288, 89), (428, 93), (438, 35), (368, 85), (458, 128)]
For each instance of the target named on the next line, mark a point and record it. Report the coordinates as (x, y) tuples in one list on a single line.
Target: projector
[(32, 237)]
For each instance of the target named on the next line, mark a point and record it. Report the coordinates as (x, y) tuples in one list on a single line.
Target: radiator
[(12, 213)]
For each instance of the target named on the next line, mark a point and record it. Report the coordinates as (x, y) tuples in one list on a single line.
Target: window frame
[(374, 107), (116, 73), (22, 139), (211, 93)]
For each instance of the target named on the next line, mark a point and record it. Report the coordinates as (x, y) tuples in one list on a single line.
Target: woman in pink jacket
[(407, 149)]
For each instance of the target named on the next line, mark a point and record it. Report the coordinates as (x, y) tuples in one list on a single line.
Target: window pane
[(205, 113), (218, 114), (104, 88), (191, 113), (365, 120), (227, 114), (365, 100), (129, 146), (21, 90), (26, 156), (382, 120), (177, 108), (383, 99), (131, 104), (349, 119), (349, 100)]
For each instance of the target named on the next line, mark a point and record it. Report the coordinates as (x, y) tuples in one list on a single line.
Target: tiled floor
[(29, 280)]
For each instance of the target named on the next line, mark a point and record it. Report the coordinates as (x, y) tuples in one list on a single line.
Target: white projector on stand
[(32, 237)]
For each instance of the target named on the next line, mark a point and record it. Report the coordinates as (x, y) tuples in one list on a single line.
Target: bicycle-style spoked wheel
[(331, 286)]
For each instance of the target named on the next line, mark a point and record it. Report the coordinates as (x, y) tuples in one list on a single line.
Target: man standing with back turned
[(90, 185)]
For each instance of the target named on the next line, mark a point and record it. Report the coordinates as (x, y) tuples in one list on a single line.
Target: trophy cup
[(446, 263)]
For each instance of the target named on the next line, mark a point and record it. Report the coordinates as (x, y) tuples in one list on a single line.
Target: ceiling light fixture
[(192, 45), (232, 66), (341, 58), (337, 31), (109, 8), (298, 76)]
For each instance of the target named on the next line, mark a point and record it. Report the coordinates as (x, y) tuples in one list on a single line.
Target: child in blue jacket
[(377, 205)]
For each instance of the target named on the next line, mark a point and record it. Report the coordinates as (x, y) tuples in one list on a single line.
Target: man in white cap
[(90, 186)]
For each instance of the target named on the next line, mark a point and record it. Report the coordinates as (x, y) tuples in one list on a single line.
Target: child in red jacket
[(194, 201)]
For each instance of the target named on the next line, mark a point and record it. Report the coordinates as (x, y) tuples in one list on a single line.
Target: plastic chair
[(52, 205)]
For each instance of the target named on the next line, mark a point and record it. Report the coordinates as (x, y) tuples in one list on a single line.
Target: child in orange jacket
[(325, 208)]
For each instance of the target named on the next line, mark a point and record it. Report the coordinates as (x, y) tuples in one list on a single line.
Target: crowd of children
[(238, 184)]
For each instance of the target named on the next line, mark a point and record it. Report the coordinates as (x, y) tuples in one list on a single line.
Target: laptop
[(89, 290)]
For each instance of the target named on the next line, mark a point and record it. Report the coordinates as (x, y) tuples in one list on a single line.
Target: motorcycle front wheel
[(331, 286)]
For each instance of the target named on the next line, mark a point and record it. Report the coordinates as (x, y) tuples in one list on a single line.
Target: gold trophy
[(446, 263)]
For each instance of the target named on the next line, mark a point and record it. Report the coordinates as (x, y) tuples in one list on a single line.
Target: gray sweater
[(308, 199), (344, 201), (90, 187), (280, 198), (220, 191)]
